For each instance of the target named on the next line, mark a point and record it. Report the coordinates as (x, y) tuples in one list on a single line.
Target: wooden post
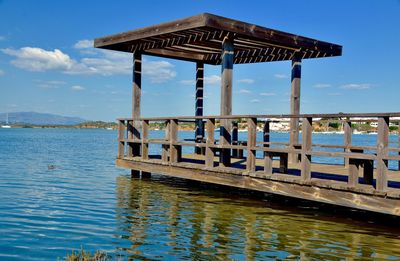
[(266, 134), (165, 147), (173, 137), (130, 145), (268, 159), (382, 152), (145, 137), (146, 175), (136, 97), (235, 138), (121, 139), (251, 142), (398, 140), (210, 142), (295, 106), (199, 131), (226, 98), (305, 147), (353, 171), (348, 131)]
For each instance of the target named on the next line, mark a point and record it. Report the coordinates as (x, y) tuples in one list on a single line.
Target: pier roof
[(198, 38)]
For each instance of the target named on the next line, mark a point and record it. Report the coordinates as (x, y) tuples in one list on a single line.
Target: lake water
[(60, 190)]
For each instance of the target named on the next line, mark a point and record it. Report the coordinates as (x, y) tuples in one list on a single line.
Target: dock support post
[(382, 152), (146, 175), (251, 143), (121, 139), (295, 106), (135, 173), (165, 147), (305, 148), (145, 137), (136, 97), (266, 135), (398, 140), (209, 143), (199, 128), (235, 139), (226, 98), (173, 138), (347, 139), (268, 159)]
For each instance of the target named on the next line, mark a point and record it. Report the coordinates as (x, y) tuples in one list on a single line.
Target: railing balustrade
[(134, 140)]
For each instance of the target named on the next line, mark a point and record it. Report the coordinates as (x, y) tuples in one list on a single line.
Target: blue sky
[(47, 63)]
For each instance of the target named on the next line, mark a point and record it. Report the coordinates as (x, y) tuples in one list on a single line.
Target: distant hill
[(35, 118)]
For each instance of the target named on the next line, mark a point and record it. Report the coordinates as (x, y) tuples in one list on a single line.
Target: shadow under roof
[(199, 39)]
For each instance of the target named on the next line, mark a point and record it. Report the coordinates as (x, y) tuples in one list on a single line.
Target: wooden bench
[(283, 161), (354, 168)]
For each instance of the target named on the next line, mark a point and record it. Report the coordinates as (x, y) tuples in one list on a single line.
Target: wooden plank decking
[(363, 181), (334, 190)]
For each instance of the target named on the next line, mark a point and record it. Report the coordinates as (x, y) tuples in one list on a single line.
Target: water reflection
[(171, 218)]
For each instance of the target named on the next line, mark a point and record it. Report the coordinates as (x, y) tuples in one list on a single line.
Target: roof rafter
[(199, 38)]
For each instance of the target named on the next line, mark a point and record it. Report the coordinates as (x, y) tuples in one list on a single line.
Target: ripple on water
[(83, 200)]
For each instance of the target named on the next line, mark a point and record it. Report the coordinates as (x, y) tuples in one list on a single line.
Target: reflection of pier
[(363, 182), (161, 214)]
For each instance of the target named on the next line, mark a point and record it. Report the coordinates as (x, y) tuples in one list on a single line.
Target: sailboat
[(6, 126)]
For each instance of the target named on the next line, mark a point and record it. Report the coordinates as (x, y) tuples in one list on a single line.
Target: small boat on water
[(6, 126)]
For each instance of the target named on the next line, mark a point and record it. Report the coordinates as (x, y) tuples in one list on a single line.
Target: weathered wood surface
[(209, 157), (358, 177), (226, 98), (347, 138), (282, 186), (136, 101), (278, 116), (121, 141), (382, 145), (251, 142), (144, 141), (196, 39), (295, 105), (199, 95), (306, 147)]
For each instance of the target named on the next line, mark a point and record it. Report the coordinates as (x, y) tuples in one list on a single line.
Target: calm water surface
[(59, 190)]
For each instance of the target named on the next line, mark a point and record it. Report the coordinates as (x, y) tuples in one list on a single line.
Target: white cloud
[(267, 94), (77, 88), (280, 76), (246, 81), (1, 73), (37, 59), (244, 91), (105, 63), (212, 79), (255, 101), (158, 71), (356, 86), (83, 44), (322, 85)]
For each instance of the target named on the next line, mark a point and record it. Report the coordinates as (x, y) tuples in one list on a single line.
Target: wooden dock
[(287, 168), (361, 182)]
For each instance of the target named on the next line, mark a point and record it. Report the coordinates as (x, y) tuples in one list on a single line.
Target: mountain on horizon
[(36, 118)]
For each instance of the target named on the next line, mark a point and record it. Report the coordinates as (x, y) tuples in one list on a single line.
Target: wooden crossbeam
[(175, 39)]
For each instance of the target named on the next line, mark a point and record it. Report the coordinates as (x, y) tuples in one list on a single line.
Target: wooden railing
[(134, 141)]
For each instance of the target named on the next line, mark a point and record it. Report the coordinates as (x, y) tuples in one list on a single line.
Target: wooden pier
[(363, 181)]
